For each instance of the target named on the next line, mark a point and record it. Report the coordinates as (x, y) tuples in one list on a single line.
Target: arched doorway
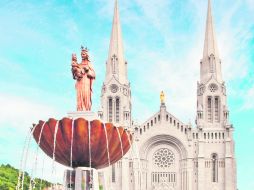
[(163, 167), (163, 186), (164, 156)]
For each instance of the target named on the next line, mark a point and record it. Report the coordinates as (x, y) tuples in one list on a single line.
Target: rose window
[(213, 87), (163, 158), (114, 88)]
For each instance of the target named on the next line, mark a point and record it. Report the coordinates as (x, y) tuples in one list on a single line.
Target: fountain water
[(54, 152), (90, 156), (42, 171), (106, 135), (119, 136), (25, 156), (72, 132), (21, 161), (96, 157), (36, 158)]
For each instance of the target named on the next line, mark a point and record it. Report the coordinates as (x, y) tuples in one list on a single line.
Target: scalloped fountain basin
[(107, 145)]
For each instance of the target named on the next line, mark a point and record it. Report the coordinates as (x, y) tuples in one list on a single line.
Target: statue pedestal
[(88, 115), (82, 178)]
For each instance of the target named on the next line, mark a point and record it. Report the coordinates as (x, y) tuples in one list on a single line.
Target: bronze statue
[(84, 74)]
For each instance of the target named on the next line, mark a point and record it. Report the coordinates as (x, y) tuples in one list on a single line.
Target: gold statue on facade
[(162, 97)]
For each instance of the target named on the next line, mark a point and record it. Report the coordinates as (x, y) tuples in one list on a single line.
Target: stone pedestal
[(81, 178), (88, 115)]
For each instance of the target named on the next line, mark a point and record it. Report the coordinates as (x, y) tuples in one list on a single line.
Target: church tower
[(116, 91), (216, 157), (212, 109), (116, 101)]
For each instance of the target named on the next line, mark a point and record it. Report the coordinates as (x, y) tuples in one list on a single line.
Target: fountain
[(81, 141)]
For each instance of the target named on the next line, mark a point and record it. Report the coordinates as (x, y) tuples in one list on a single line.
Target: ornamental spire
[(116, 65), (210, 46), (211, 63)]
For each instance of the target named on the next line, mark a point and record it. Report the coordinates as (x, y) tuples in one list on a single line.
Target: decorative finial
[(162, 97)]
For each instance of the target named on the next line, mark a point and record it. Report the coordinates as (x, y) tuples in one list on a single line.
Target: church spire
[(116, 65), (210, 46), (210, 64)]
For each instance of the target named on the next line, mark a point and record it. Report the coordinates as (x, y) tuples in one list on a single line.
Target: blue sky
[(164, 36)]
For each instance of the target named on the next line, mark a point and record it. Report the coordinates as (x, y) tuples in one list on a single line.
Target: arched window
[(217, 109), (214, 168), (117, 110), (110, 109), (209, 109)]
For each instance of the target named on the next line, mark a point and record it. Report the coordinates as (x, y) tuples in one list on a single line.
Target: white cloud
[(250, 4), (177, 74), (21, 112), (17, 116)]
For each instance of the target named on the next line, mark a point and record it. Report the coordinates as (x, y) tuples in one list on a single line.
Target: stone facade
[(168, 154)]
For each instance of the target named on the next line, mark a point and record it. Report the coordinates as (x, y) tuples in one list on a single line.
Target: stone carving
[(84, 74), (213, 87)]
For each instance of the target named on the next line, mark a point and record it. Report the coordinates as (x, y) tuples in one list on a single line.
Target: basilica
[(168, 154)]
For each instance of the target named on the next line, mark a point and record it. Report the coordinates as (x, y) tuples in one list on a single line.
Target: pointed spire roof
[(210, 45), (116, 50)]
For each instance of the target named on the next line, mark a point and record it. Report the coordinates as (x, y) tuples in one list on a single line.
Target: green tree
[(9, 179)]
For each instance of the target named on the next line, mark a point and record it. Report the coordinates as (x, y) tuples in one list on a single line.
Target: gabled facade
[(168, 154)]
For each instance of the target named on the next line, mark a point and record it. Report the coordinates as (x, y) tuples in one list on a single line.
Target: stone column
[(190, 174), (136, 174), (230, 172), (125, 173), (229, 169), (83, 178), (201, 168)]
